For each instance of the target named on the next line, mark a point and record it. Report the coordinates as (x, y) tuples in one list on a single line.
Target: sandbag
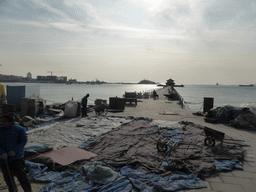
[(71, 109), (100, 173)]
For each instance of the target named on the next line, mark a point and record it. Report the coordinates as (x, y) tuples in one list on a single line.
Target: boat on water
[(179, 85), (250, 85)]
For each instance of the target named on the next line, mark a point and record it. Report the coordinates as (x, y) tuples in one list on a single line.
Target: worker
[(84, 105), (155, 95), (2, 94), (13, 139)]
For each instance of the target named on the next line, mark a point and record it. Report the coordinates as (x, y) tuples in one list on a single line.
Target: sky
[(189, 41)]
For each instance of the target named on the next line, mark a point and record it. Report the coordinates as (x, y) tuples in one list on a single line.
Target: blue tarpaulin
[(228, 165), (125, 177), (72, 180)]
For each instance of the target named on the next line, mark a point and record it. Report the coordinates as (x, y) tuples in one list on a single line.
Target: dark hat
[(10, 117)]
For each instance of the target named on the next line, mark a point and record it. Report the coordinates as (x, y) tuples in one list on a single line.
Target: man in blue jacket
[(13, 139)]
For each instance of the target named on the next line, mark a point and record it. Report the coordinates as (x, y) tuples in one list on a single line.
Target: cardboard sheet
[(68, 155)]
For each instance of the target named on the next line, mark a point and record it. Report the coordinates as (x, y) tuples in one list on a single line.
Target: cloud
[(204, 20), (25, 22), (190, 25)]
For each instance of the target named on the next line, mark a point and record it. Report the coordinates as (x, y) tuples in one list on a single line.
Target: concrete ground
[(234, 181), (163, 109)]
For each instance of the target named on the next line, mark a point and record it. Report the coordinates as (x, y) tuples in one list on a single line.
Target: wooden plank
[(68, 155)]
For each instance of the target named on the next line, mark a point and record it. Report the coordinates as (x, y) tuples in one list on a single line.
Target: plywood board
[(68, 155)]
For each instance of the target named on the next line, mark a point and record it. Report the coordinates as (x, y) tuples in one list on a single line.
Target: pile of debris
[(240, 117)]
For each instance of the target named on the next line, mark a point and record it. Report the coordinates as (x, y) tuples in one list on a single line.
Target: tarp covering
[(135, 144), (70, 109), (126, 179), (131, 151), (73, 132), (130, 144), (243, 117), (100, 173), (72, 180)]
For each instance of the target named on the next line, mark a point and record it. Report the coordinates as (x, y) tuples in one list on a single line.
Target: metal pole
[(10, 177)]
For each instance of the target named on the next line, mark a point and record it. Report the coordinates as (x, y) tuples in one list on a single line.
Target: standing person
[(2, 94), (13, 139), (84, 105), (155, 96)]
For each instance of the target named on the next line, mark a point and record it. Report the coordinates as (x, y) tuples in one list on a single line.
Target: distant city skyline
[(190, 41)]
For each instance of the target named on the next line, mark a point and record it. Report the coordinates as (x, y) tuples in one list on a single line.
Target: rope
[(201, 107), (52, 101), (193, 103), (91, 99), (61, 102)]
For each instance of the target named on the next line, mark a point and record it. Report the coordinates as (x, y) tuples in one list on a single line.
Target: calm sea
[(222, 94), (192, 94), (61, 93)]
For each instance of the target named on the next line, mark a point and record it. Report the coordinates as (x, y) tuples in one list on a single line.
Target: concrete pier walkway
[(164, 109), (234, 181)]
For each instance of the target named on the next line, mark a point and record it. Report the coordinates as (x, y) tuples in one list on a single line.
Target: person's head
[(87, 95), (8, 120)]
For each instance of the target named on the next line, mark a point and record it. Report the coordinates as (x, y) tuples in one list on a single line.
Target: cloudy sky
[(190, 41)]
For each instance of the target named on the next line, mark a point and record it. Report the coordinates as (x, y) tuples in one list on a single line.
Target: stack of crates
[(30, 107), (33, 107), (24, 107)]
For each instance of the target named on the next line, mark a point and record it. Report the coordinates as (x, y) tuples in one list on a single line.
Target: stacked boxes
[(117, 103), (30, 107), (24, 107), (33, 107)]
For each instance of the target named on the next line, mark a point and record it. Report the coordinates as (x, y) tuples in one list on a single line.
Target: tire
[(161, 147), (210, 142)]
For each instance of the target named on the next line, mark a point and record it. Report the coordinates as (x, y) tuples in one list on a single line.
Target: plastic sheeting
[(228, 165), (243, 117), (70, 109), (38, 148), (71, 180), (136, 145), (77, 181), (100, 173), (73, 132)]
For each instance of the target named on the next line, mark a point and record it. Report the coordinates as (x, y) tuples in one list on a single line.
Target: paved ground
[(234, 181)]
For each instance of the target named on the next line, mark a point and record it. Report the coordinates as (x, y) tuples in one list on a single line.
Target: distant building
[(52, 79), (170, 82), (29, 75), (72, 81), (62, 79), (41, 78)]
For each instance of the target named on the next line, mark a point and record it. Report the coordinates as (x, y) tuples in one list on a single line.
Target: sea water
[(61, 93), (193, 95), (222, 95)]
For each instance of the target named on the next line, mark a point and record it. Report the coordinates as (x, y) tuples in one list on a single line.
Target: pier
[(171, 110)]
